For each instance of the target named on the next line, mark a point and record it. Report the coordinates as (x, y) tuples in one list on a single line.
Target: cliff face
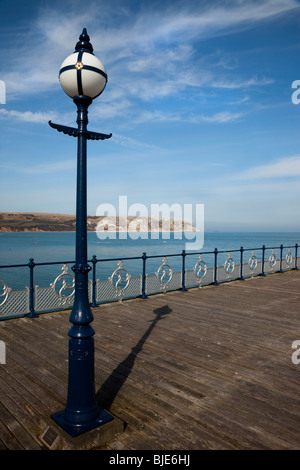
[(39, 222)]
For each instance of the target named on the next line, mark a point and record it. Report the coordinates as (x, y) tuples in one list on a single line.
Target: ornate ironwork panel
[(289, 257), (252, 263), (229, 266), (62, 289), (272, 260), (200, 270), (120, 280), (4, 293), (164, 274)]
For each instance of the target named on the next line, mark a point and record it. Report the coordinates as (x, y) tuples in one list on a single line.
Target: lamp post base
[(76, 429)]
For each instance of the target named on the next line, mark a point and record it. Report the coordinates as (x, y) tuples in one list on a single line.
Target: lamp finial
[(84, 42)]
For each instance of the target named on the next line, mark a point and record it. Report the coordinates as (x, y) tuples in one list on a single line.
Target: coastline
[(33, 222)]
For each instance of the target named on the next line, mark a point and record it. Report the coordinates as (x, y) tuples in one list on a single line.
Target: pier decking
[(209, 368)]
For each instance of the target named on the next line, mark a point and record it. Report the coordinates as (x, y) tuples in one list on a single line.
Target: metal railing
[(179, 271)]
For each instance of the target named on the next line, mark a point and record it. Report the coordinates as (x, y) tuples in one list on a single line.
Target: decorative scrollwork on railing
[(164, 274), (120, 279), (289, 257), (252, 262), (272, 260), (60, 285), (200, 270), (4, 292), (229, 265)]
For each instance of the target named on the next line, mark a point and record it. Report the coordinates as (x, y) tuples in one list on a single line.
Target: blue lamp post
[(83, 77)]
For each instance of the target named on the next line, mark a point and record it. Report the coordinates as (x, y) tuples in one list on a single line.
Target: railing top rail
[(116, 259), (15, 266)]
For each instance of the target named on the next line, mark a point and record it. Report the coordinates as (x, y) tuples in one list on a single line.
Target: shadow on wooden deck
[(113, 384)]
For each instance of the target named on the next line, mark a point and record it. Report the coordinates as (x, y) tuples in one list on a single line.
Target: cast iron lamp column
[(83, 78)]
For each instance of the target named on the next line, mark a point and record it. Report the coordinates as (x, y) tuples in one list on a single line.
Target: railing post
[(31, 313), (281, 250), (183, 254), (241, 270), (94, 261), (144, 295), (296, 254), (263, 261), (216, 267)]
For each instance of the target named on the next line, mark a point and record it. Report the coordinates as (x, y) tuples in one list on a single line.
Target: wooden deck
[(210, 368)]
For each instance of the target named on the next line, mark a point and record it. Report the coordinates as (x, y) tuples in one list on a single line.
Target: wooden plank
[(7, 438), (135, 396), (21, 434), (38, 369)]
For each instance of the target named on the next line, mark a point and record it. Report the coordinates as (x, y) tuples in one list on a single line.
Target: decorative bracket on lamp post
[(72, 131)]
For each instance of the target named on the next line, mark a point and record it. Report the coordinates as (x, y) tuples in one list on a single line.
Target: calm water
[(17, 248)]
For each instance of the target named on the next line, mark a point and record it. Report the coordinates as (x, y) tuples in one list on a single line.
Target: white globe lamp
[(81, 73)]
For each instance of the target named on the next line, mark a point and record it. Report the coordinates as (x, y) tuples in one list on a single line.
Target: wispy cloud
[(28, 116), (236, 84), (134, 144), (283, 168), (201, 20), (44, 168), (163, 116), (153, 46), (223, 117)]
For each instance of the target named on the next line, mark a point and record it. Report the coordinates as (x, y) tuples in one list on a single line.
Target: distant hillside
[(36, 222), (39, 222)]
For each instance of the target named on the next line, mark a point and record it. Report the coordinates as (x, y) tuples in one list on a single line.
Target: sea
[(58, 248)]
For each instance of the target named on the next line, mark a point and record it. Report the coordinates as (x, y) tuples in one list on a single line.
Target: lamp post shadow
[(107, 393)]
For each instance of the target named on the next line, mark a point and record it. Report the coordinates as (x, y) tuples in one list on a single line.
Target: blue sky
[(198, 101)]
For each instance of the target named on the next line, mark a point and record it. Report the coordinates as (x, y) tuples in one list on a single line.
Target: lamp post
[(83, 77)]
